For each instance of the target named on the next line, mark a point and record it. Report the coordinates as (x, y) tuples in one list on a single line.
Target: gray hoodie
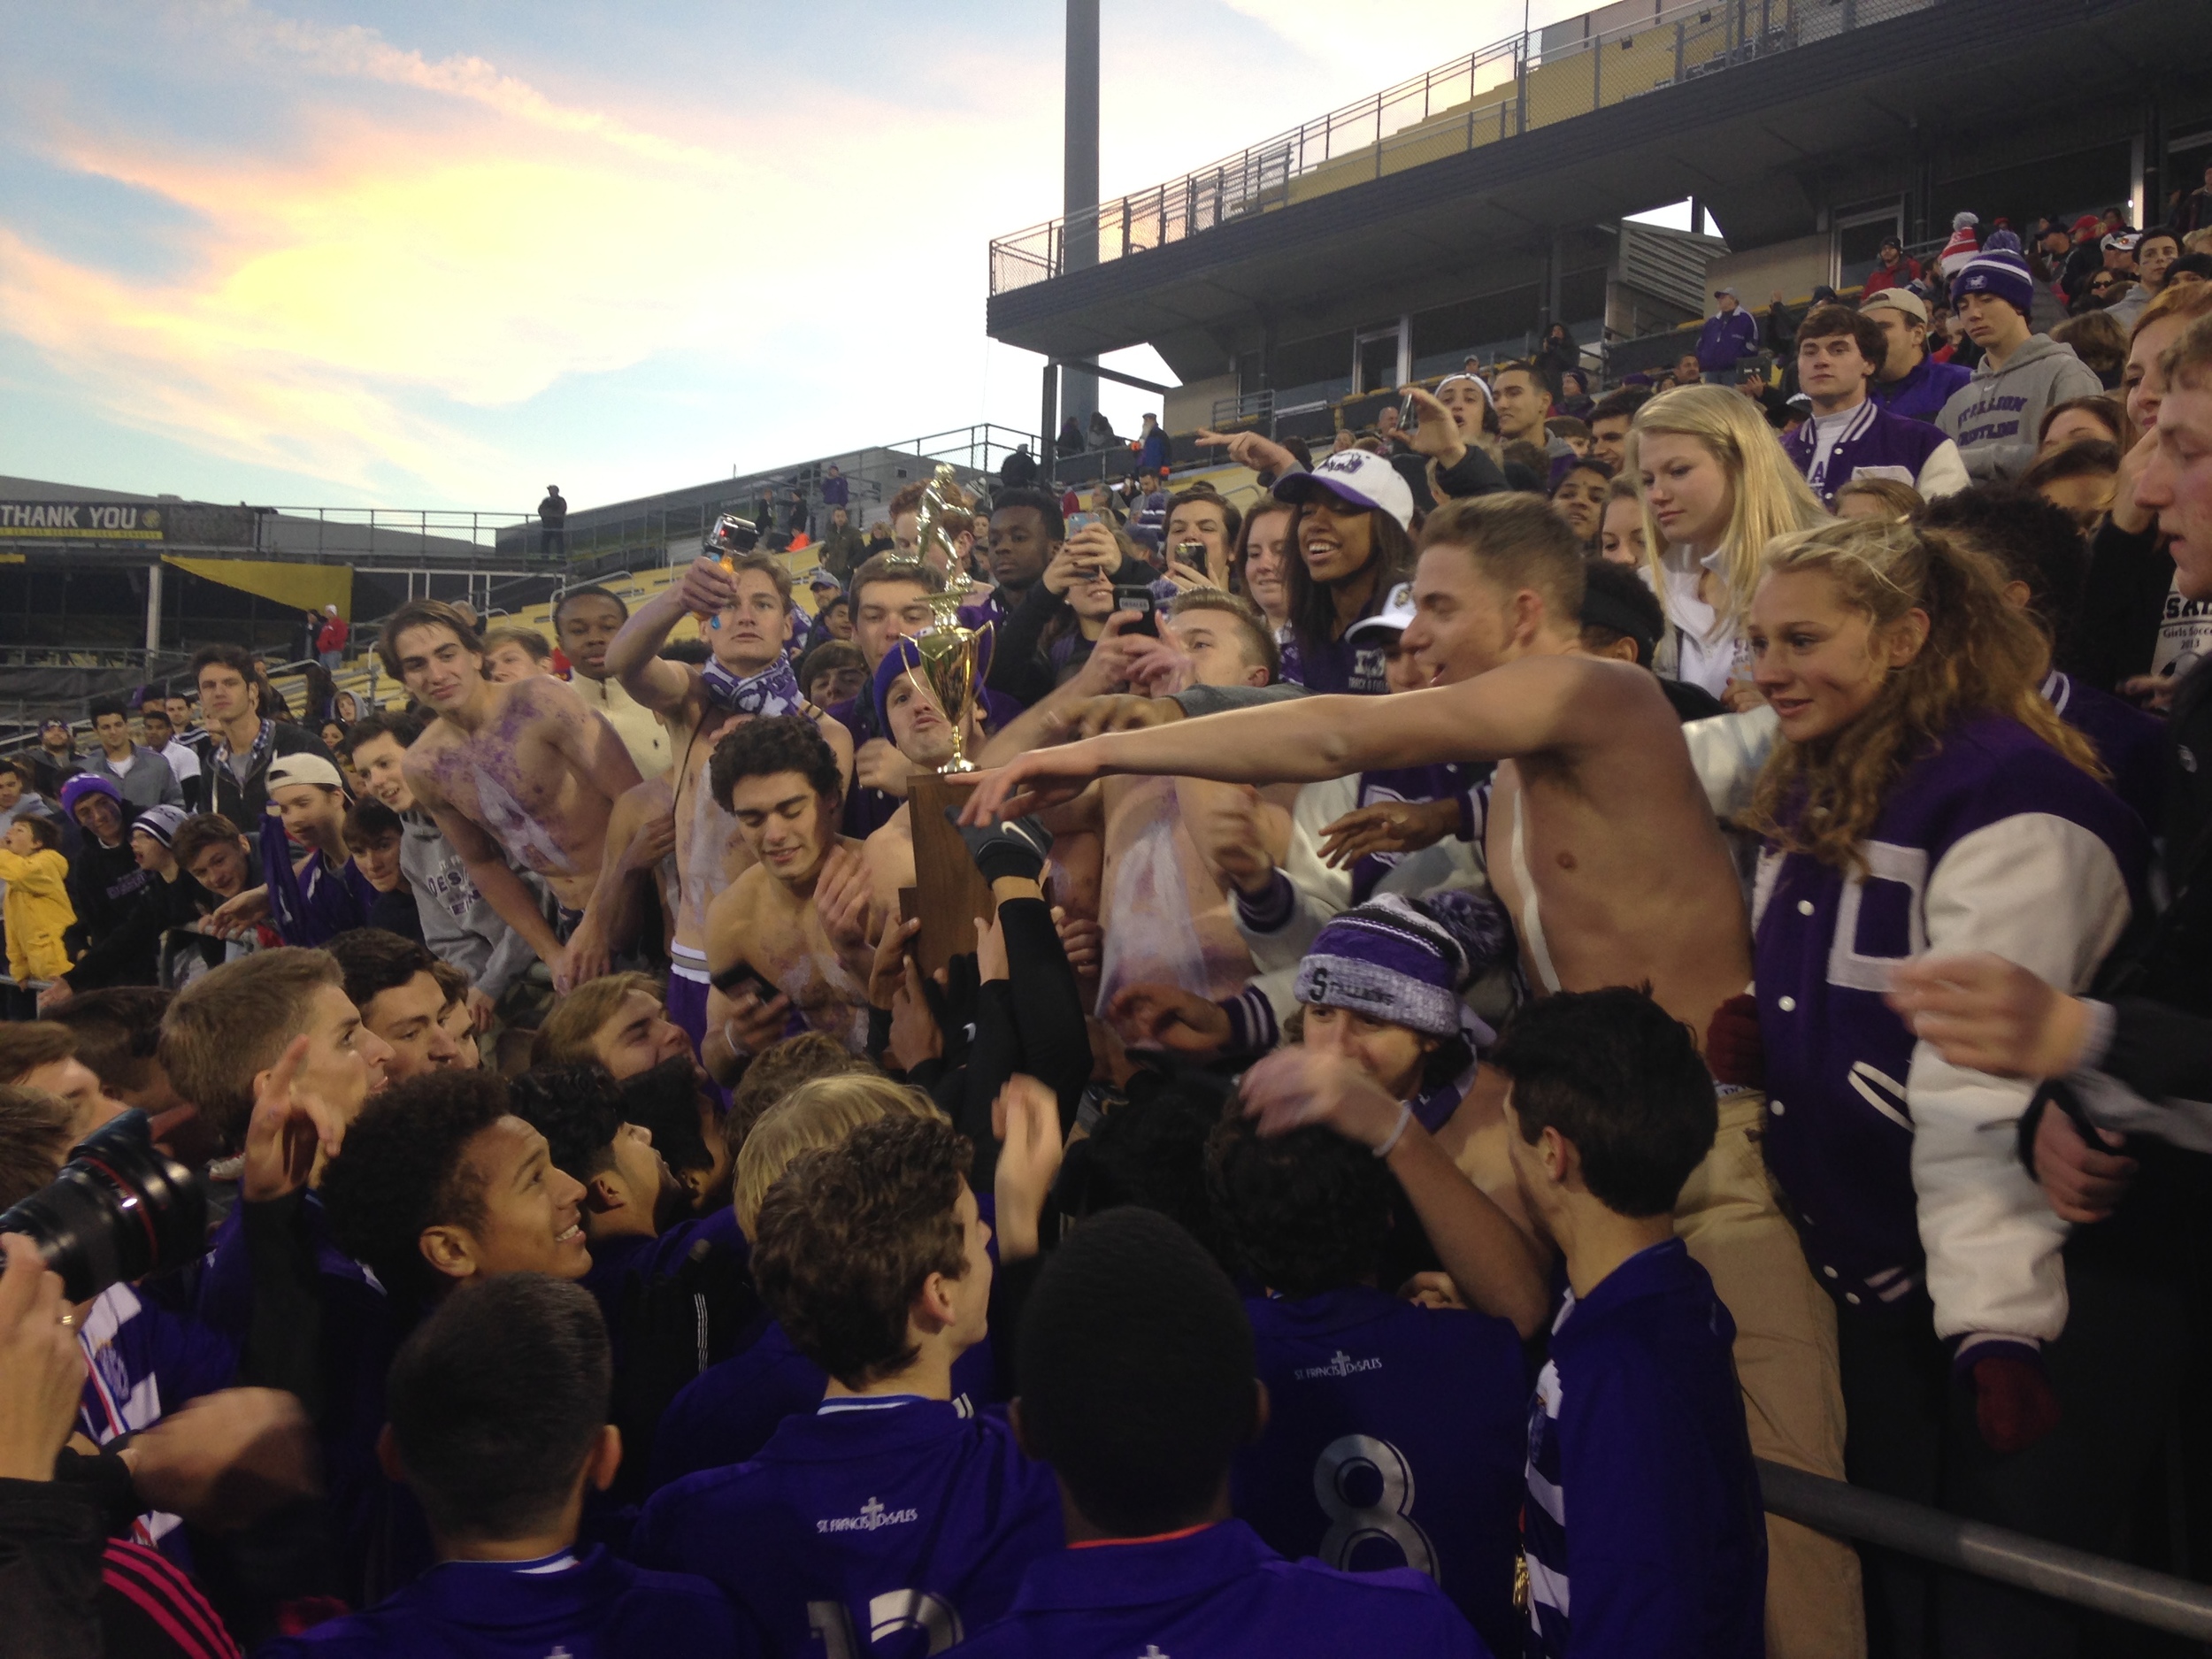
[(457, 924), (1994, 416), (149, 782)]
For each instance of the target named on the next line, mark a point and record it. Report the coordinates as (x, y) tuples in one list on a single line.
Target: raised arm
[(1537, 704), (633, 654)]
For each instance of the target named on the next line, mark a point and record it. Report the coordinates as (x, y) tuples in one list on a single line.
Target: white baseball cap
[(303, 768), (1392, 618), (1360, 477)]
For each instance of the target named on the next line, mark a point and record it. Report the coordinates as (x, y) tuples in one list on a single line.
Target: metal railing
[(349, 534), (383, 532), (1527, 81), (2103, 1586)]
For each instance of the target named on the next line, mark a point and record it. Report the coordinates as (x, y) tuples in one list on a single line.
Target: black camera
[(732, 534), (120, 1209)]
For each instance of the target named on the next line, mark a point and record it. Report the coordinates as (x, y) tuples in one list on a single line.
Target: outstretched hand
[(291, 1124), (1293, 1087), (1249, 448), (1095, 716), (1438, 435), (236, 916), (1387, 827), (708, 588), (1026, 1117), (1986, 1014), (842, 894), (1029, 783), (914, 1034), (584, 957), (228, 1458), (1168, 1016), (1082, 940), (655, 840), (888, 972)]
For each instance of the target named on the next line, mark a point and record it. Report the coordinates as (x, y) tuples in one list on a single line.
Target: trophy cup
[(950, 892), (955, 657)]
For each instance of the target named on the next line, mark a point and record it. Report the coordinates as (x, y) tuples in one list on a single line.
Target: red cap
[(2087, 221)]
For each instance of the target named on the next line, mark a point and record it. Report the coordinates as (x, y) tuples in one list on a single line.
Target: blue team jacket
[(1218, 1593), (877, 1524), (1395, 1437), (1641, 1494), (592, 1608)]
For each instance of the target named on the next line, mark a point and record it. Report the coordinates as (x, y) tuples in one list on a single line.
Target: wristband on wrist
[(1398, 1133)]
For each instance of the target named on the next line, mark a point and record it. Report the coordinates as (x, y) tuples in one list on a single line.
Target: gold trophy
[(955, 657), (949, 891)]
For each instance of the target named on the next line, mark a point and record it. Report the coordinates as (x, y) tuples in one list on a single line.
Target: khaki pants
[(1786, 1360)]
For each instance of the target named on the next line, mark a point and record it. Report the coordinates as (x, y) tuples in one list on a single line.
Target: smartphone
[(1408, 416), (1141, 601), (1080, 521), (743, 975)]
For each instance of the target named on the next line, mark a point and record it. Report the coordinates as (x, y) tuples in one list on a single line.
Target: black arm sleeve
[(2160, 1052), (994, 1056), (1474, 473), (1018, 669), (2120, 602), (1201, 699), (1010, 1290), (284, 1338), (1048, 1009), (124, 952)]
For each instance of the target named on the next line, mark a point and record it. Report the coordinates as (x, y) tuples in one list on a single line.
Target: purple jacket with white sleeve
[(1901, 1167)]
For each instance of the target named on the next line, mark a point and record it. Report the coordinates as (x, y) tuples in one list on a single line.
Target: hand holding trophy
[(949, 661)]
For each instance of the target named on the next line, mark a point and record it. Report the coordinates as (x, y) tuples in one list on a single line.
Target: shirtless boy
[(523, 772), (790, 934), (1603, 846), (747, 676)]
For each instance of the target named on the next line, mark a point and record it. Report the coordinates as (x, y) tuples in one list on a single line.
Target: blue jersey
[(1641, 1493), (1395, 1436), (726, 1414), (594, 1607), (143, 1361), (1219, 1593), (883, 1527)]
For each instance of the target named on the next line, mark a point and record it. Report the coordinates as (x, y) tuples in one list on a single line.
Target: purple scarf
[(772, 691)]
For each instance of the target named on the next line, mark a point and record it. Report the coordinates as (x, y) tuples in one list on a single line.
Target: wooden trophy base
[(949, 891)]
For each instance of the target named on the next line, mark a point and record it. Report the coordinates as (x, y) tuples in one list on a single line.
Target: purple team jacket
[(1218, 1593)]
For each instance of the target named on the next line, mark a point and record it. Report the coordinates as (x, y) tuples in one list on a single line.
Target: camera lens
[(119, 1210)]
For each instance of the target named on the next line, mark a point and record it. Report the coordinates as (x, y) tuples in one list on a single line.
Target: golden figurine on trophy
[(954, 657), (951, 660)]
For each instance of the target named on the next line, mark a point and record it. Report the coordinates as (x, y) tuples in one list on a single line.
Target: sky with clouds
[(434, 254)]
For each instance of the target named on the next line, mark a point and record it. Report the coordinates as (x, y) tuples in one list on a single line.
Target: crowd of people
[(1584, 938)]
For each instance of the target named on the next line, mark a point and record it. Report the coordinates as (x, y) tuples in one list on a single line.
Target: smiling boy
[(747, 676), (523, 771), (782, 783)]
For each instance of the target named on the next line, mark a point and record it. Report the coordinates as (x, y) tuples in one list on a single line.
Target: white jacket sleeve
[(2045, 893), (1728, 751), (1945, 472), (1321, 892)]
